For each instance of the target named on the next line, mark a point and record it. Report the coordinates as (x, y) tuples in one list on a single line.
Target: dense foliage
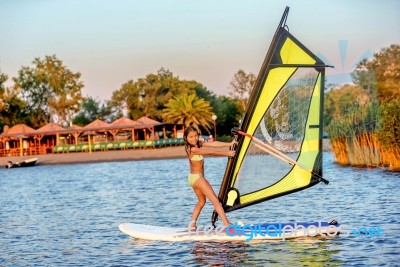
[(371, 103), (48, 91), (51, 92), (367, 114)]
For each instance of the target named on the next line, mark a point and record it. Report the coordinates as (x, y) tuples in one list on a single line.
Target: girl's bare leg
[(206, 189), (199, 206)]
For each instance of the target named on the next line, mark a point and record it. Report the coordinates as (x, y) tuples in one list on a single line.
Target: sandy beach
[(103, 156), (115, 155)]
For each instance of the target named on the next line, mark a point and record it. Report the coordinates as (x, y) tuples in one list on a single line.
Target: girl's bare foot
[(227, 224), (192, 225)]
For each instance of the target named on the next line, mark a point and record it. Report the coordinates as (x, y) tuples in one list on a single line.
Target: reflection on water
[(217, 254), (69, 215), (304, 252)]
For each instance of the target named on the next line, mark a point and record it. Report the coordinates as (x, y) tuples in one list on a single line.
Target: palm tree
[(187, 110)]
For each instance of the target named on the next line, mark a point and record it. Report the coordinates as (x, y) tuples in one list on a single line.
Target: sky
[(112, 42)]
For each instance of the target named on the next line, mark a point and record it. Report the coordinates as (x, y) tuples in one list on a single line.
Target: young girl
[(201, 187)]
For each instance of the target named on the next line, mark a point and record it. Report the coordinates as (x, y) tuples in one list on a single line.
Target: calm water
[(69, 215)]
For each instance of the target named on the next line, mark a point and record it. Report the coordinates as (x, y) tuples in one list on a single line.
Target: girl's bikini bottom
[(193, 177)]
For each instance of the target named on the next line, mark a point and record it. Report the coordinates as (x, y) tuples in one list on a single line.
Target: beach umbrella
[(19, 131)]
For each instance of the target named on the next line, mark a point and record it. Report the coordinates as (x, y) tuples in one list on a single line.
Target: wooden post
[(90, 145), (20, 147)]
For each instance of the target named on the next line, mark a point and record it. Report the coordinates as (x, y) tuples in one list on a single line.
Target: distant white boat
[(24, 163)]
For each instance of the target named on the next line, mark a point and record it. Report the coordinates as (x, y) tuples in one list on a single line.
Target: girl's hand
[(231, 153), (234, 142)]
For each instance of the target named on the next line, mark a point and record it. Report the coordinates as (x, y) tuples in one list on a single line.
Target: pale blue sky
[(111, 42)]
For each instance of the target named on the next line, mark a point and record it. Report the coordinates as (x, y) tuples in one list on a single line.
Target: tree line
[(363, 118), (48, 91)]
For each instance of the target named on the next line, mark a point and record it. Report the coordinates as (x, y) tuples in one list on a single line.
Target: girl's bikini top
[(196, 158)]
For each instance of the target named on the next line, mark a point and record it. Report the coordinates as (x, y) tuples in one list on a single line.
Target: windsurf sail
[(282, 124)]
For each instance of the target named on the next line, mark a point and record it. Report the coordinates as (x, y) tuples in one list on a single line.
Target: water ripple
[(68, 215)]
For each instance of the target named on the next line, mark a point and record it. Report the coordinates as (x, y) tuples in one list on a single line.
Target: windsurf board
[(234, 232)]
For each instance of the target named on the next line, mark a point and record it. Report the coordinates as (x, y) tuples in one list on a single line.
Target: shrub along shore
[(369, 137)]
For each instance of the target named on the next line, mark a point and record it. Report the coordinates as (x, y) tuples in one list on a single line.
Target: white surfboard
[(235, 232)]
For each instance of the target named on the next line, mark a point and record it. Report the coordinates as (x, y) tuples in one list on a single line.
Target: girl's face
[(192, 138)]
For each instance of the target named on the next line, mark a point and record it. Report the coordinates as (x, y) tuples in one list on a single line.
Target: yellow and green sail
[(285, 112)]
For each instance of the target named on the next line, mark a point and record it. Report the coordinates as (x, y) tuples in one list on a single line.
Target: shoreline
[(172, 152), (102, 156)]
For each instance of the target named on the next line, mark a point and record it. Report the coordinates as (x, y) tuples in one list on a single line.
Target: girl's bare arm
[(219, 144), (202, 151)]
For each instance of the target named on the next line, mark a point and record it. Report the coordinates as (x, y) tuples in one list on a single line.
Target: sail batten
[(280, 151)]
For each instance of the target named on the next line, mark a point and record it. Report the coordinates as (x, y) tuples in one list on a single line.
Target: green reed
[(368, 135)]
